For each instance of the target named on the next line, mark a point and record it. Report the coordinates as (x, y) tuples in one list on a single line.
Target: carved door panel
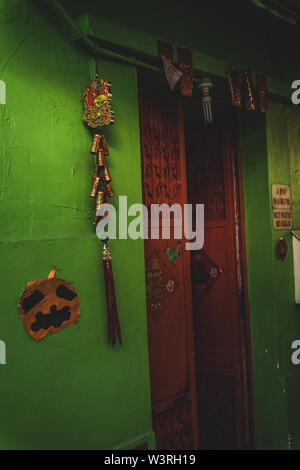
[(220, 340), (169, 307)]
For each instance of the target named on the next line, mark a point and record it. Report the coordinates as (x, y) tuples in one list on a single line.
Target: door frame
[(241, 267), (190, 395), (188, 286), (244, 309), (237, 198)]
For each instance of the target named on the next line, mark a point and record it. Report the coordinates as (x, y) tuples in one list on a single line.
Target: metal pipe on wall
[(98, 49)]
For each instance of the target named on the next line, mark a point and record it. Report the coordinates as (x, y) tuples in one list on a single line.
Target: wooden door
[(169, 307), (220, 321)]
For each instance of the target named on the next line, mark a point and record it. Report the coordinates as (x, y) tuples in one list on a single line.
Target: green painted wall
[(284, 166), (270, 155), (271, 427), (71, 390)]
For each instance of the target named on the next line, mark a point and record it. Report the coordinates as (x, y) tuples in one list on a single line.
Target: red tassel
[(113, 323)]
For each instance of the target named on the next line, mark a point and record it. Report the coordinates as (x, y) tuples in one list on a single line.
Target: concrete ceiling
[(202, 25), (290, 9)]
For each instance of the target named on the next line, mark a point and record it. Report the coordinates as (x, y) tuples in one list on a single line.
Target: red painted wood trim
[(245, 279), (166, 49), (188, 288)]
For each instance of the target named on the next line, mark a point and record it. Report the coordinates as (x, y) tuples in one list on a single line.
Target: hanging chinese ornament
[(261, 84), (185, 59), (173, 75), (98, 112), (252, 98), (205, 87), (235, 87), (165, 51), (249, 91)]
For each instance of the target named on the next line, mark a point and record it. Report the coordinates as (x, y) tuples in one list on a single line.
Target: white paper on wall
[(173, 75)]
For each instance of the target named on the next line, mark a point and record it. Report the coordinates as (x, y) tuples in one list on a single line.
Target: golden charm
[(97, 109)]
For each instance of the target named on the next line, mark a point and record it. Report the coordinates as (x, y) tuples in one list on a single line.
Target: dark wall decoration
[(204, 272), (281, 249), (160, 285), (48, 305), (254, 97)]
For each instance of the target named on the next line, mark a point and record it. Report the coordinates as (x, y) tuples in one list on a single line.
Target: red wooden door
[(217, 286), (169, 307)]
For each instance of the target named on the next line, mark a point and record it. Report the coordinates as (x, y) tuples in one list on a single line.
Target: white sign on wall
[(281, 199)]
